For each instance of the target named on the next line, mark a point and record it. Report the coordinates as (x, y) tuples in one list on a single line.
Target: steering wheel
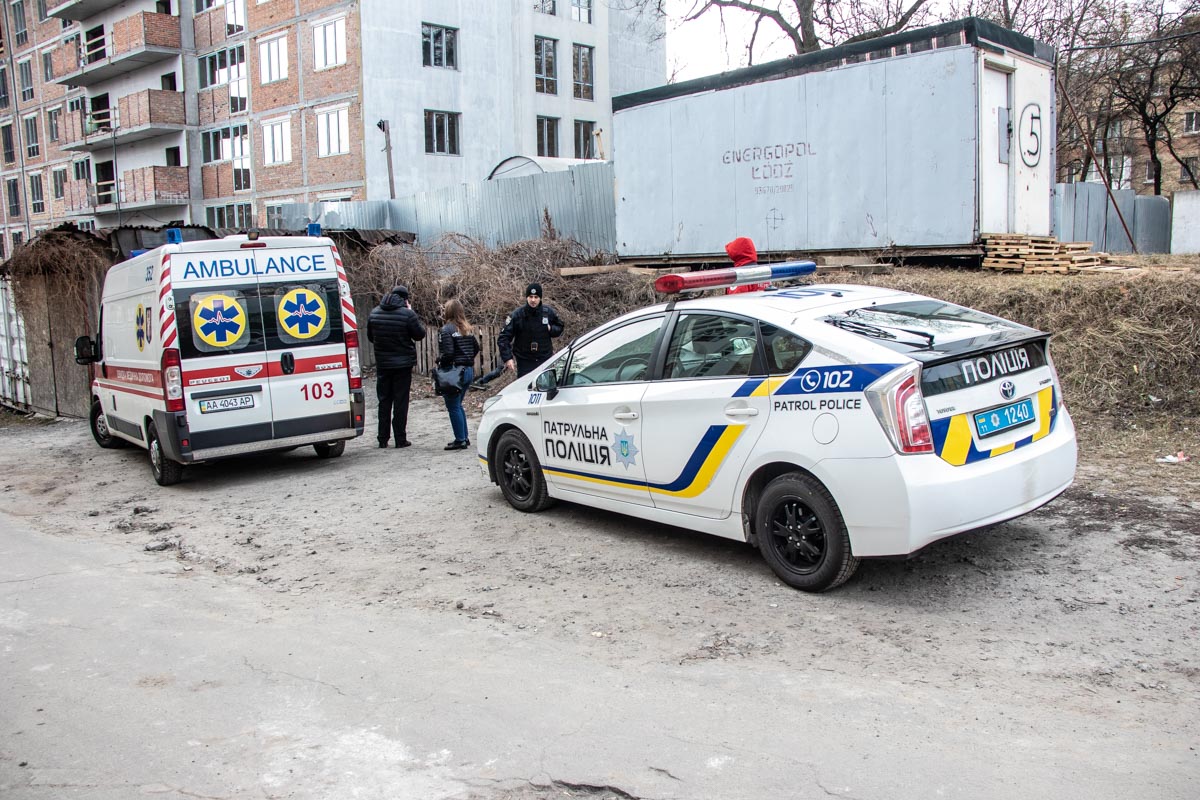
[(631, 369)]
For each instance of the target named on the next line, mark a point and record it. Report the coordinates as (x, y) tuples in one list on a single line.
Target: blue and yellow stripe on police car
[(696, 476), (952, 435)]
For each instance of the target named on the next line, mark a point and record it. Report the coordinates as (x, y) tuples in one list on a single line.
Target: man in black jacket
[(393, 328), (525, 340)]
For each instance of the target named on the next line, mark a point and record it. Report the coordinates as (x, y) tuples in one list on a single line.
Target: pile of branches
[(490, 283), (71, 265)]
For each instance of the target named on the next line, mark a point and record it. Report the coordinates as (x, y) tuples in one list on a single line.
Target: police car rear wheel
[(520, 474), (330, 449), (801, 534), (100, 431), (166, 472)]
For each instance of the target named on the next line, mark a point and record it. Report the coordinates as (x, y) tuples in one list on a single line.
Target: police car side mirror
[(85, 350), (547, 383)]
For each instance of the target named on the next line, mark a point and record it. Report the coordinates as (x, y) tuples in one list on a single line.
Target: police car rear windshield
[(919, 324)]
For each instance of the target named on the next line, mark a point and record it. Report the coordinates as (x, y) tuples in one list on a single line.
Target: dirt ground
[(1091, 600)]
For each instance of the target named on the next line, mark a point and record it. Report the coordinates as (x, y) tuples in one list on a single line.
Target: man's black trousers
[(392, 386)]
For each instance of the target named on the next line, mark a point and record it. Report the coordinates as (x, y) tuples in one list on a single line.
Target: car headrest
[(711, 337)]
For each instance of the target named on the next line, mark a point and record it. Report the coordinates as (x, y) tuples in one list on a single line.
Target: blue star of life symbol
[(221, 322), (625, 449), (302, 313)]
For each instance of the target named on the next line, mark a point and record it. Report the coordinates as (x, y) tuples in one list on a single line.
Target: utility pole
[(387, 148)]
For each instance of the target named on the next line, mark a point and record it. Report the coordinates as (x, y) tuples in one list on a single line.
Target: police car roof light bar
[(314, 229), (174, 236), (734, 276)]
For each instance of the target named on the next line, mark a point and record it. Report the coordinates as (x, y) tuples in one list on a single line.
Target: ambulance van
[(218, 348)]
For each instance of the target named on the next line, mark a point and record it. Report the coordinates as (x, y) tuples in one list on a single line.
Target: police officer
[(525, 340)]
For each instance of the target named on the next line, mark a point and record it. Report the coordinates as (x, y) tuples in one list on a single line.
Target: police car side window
[(784, 350), (618, 356), (711, 346)]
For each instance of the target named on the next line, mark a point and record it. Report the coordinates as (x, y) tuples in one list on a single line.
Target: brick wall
[(147, 184), (213, 105), (150, 105), (209, 27), (278, 177), (339, 168), (145, 29), (276, 93), (65, 58)]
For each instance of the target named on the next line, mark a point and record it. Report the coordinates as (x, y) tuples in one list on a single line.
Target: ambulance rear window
[(302, 314), (217, 321)]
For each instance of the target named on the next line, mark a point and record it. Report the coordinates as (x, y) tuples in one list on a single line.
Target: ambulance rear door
[(222, 346), (305, 339)]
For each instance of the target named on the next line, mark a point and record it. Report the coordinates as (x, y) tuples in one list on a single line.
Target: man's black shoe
[(404, 443), (458, 444), (382, 445)]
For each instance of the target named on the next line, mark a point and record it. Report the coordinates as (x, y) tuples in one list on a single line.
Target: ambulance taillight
[(172, 379), (897, 401), (353, 366)]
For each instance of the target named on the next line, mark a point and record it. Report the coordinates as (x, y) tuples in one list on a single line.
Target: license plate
[(998, 420), (226, 403)]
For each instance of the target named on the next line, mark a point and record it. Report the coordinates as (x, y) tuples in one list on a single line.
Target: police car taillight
[(353, 366), (897, 402), (736, 276), (172, 379)]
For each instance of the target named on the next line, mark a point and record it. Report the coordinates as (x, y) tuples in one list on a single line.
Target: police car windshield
[(918, 324)]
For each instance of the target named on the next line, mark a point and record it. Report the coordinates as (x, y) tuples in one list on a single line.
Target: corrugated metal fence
[(579, 202), (1084, 213)]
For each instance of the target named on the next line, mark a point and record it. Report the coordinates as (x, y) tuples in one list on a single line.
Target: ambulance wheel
[(330, 449), (521, 480), (166, 472), (100, 431), (802, 535)]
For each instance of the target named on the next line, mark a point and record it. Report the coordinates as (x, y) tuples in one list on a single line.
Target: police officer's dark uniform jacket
[(527, 334)]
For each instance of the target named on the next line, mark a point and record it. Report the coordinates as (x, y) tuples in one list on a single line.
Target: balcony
[(134, 42), (139, 189), (81, 9), (141, 115)]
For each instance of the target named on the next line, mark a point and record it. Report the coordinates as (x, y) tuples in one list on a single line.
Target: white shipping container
[(921, 140), (14, 361)]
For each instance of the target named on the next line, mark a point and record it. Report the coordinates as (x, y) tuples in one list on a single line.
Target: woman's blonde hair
[(454, 312)]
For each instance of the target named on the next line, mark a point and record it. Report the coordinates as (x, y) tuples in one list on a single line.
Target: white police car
[(824, 424)]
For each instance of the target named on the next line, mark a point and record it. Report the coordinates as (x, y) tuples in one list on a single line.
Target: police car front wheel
[(520, 474), (802, 535)]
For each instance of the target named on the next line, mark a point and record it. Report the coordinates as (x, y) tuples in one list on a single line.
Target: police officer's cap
[(533, 290)]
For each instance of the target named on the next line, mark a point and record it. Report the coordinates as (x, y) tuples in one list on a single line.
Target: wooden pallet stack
[(1014, 252), (1005, 252), (1080, 254)]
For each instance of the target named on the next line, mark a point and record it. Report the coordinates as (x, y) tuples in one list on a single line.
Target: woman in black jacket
[(457, 347)]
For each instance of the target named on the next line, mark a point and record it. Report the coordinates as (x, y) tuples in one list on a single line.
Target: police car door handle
[(625, 415), (741, 412)]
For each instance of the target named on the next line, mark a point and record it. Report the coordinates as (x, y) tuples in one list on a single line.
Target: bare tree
[(1159, 71), (807, 25)]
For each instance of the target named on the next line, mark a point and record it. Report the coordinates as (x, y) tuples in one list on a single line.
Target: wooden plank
[(598, 269)]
